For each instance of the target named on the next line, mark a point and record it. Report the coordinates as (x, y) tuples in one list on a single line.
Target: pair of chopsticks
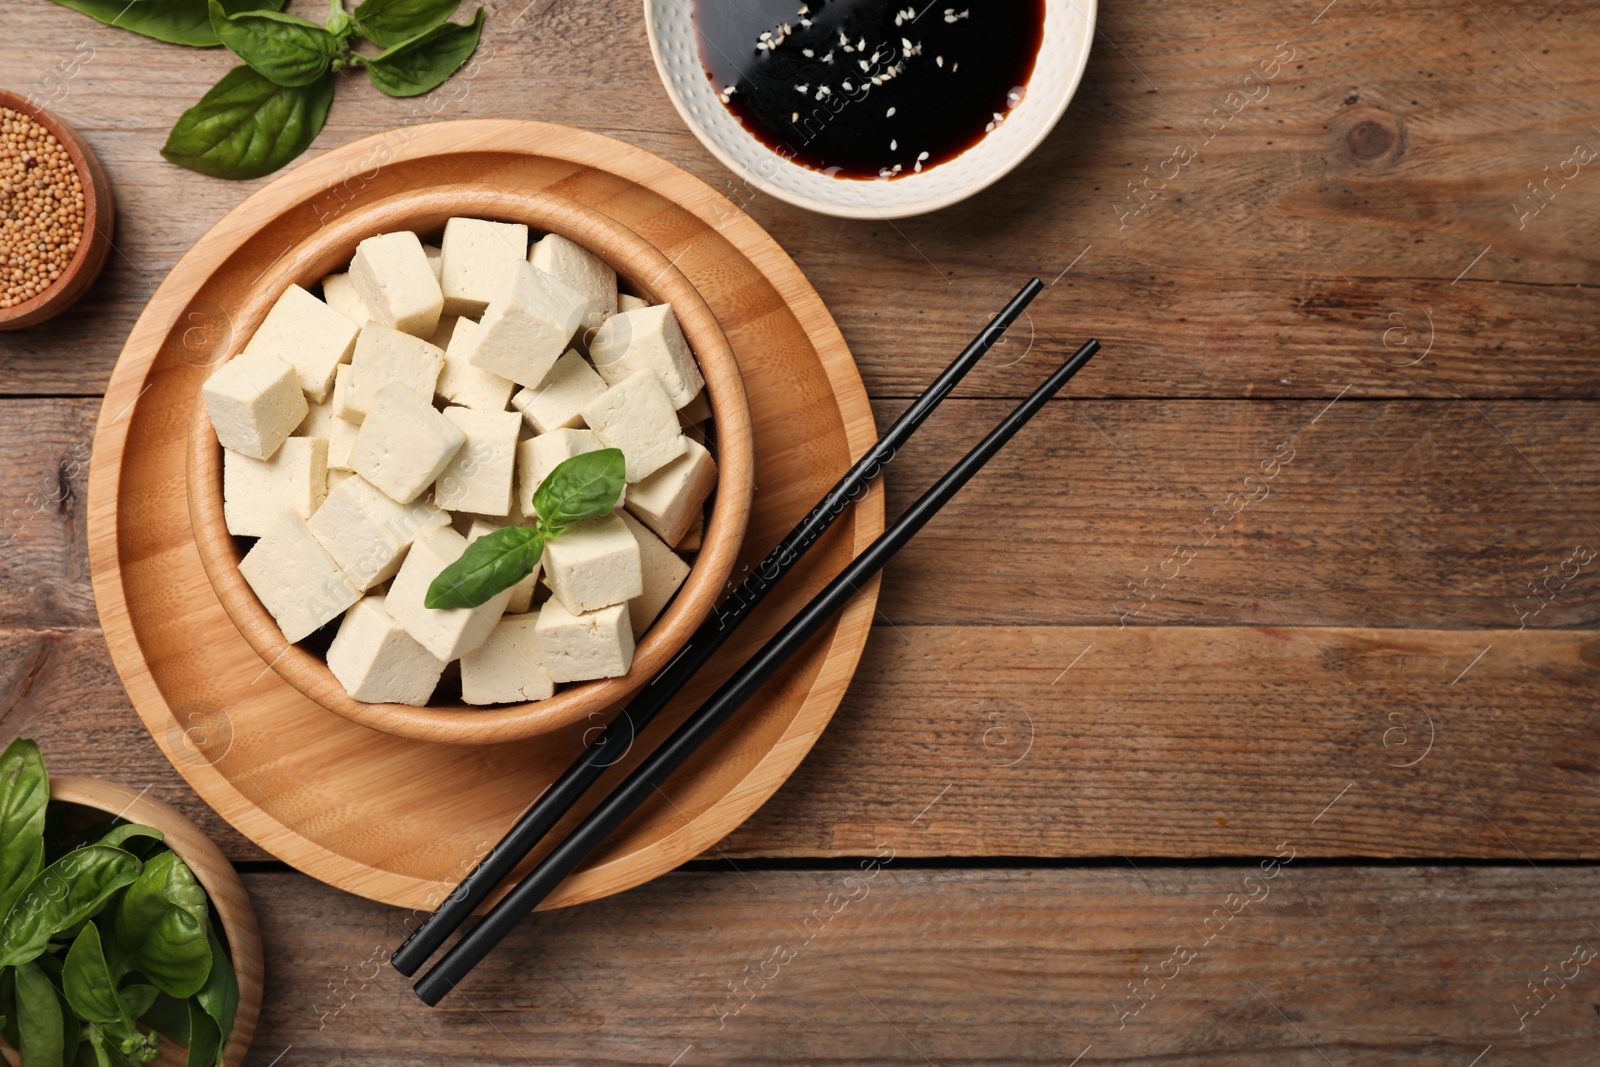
[(531, 828)]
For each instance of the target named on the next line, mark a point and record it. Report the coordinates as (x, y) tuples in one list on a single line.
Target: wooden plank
[(1389, 513), (1381, 966), (1088, 742), (1314, 242)]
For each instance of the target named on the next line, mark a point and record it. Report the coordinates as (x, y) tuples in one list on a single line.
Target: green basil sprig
[(583, 487), (143, 955), (265, 113)]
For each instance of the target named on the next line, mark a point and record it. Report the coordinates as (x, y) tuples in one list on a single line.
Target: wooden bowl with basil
[(127, 935), (319, 653)]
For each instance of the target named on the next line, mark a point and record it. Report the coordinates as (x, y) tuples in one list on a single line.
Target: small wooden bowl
[(98, 219), (214, 873), (648, 273)]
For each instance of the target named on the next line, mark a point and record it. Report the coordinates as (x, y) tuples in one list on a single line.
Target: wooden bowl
[(643, 269), (213, 871), (98, 218)]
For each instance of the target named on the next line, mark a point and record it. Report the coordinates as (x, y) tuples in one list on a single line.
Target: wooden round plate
[(399, 820)]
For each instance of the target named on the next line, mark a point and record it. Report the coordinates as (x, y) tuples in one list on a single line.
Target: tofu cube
[(594, 564), (557, 402), (629, 302), (649, 339), (378, 662), (479, 477), (664, 572), (339, 292), (367, 533), (669, 500), (340, 400), (462, 383), (295, 480), (527, 326), (448, 633), (254, 403), (577, 648), (508, 667), (479, 261), (397, 285), (435, 256), (307, 334), (636, 416), (404, 444), (538, 456), (691, 541), (295, 580), (384, 355), (337, 478), (521, 593), (341, 442), (318, 422), (573, 265), (697, 410)]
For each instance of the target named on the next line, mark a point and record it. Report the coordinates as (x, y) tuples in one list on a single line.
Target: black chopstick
[(650, 774), (559, 798)]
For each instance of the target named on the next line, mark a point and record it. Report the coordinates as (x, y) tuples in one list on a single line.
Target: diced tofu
[(593, 565), (307, 334), (636, 416), (556, 402), (340, 401), (254, 403), (669, 499), (397, 285), (480, 260), (664, 572), (449, 633), (508, 667), (576, 266), (296, 581), (479, 477), (538, 456), (629, 302), (341, 442), (295, 479), (697, 410), (340, 293), (527, 326), (649, 339), (461, 382), (378, 662), (337, 478), (385, 355), (318, 422), (404, 444), (522, 592), (435, 256), (367, 533), (598, 644), (697, 532)]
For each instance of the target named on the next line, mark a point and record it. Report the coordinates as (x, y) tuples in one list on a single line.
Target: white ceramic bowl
[(1063, 54)]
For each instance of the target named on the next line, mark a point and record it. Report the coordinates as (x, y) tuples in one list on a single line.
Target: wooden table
[(1303, 572)]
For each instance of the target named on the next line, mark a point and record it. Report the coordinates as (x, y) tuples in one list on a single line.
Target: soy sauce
[(865, 88)]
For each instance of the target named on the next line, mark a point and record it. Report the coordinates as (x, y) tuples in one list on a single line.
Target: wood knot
[(1371, 137)]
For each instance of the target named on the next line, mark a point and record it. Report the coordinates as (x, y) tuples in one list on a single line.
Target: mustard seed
[(41, 208)]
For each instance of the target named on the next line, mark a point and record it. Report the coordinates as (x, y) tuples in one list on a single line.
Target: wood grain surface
[(1361, 236)]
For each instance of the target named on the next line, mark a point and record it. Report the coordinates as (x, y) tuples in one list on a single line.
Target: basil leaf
[(492, 564), (169, 1017), (160, 928), (8, 1004), (61, 896), (24, 795), (41, 1033), (285, 49), (220, 995), (137, 998), (205, 1041), (390, 22), (246, 126), (86, 980), (582, 487), (174, 21), (420, 64), (117, 834)]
